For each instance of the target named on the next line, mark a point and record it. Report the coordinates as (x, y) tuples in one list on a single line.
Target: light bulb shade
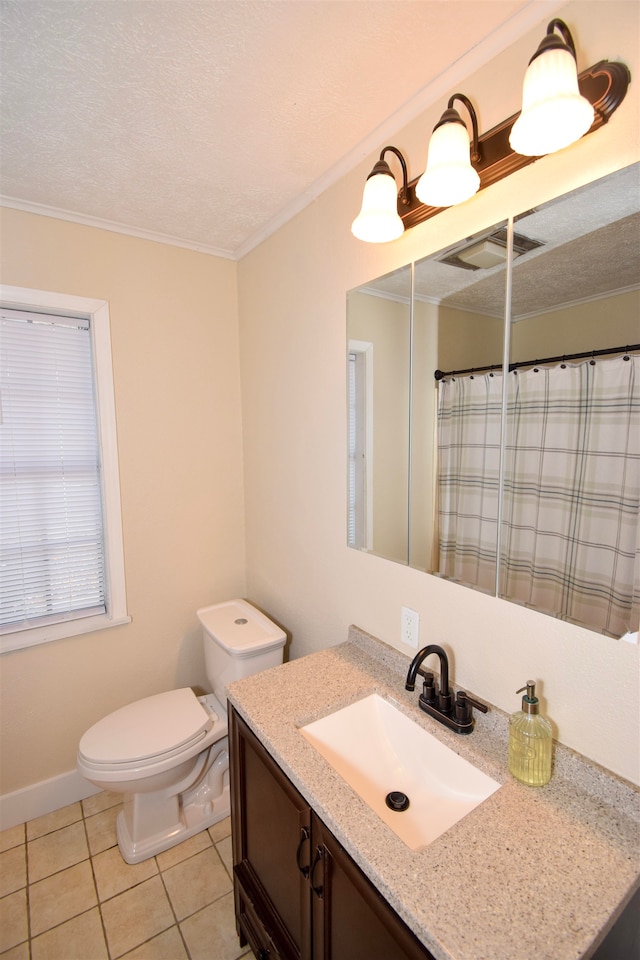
[(378, 220), (554, 114), (449, 177)]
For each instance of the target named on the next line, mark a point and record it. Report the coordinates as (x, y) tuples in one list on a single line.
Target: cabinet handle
[(318, 889), (304, 836), (264, 954)]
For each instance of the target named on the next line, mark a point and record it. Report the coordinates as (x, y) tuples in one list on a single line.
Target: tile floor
[(67, 894)]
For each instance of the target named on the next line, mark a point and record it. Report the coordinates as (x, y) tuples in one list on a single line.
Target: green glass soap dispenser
[(530, 741)]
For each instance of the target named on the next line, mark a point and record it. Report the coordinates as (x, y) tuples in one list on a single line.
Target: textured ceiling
[(210, 123)]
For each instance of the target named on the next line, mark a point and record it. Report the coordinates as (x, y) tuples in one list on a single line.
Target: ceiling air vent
[(489, 251)]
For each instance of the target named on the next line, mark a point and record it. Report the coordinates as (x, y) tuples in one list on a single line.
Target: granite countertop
[(532, 872)]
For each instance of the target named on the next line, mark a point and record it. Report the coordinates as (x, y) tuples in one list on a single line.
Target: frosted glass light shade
[(554, 114), (449, 177), (378, 220)]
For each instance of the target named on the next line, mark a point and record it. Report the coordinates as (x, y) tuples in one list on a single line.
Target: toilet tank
[(238, 642)]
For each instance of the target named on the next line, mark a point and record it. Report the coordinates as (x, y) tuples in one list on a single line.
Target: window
[(61, 557), (360, 494)]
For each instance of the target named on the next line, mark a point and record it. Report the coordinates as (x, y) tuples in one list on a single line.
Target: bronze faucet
[(457, 716)]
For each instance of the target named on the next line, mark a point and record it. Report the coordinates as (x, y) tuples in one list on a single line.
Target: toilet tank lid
[(146, 728), (240, 628)]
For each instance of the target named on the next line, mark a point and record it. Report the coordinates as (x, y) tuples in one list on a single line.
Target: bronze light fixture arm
[(452, 114), (560, 25), (552, 40), (383, 167)]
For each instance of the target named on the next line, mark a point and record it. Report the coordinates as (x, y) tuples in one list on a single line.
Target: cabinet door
[(271, 846), (351, 920)]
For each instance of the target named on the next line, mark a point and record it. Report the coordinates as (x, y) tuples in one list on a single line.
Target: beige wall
[(292, 325), (596, 325), (174, 334), (468, 339)]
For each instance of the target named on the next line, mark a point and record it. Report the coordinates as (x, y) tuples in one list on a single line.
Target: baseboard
[(44, 797)]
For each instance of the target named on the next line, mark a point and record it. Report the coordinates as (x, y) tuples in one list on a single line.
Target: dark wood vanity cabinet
[(271, 827), (298, 894)]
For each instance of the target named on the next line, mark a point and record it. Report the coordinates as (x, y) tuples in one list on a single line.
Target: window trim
[(97, 311)]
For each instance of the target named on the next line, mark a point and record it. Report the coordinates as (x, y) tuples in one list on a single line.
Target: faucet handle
[(465, 701), (463, 707), (429, 689)]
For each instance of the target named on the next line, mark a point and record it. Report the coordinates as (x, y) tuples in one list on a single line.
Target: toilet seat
[(147, 730)]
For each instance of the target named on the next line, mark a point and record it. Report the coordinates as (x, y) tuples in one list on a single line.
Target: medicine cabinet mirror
[(524, 484)]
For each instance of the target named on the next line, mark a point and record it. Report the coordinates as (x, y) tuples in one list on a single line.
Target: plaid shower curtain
[(569, 542), (469, 412), (570, 533)]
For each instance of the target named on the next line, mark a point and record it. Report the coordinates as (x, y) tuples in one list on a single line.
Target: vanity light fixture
[(450, 177), (593, 95), (554, 113)]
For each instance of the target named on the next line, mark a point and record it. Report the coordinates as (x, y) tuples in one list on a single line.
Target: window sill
[(20, 639)]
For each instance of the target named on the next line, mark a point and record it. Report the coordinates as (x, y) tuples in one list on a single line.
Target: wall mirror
[(523, 482)]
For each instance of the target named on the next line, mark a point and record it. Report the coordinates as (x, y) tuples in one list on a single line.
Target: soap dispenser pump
[(530, 741)]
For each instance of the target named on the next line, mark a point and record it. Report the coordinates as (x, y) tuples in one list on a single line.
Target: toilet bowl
[(168, 753)]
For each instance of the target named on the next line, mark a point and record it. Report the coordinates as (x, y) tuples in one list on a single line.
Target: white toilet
[(169, 753)]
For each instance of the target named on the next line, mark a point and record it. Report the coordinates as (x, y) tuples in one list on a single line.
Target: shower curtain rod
[(629, 348)]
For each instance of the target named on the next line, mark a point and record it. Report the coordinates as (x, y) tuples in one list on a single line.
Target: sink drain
[(397, 800)]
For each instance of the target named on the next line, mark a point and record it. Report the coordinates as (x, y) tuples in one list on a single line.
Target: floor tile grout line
[(27, 887), (95, 884), (55, 926), (177, 922)]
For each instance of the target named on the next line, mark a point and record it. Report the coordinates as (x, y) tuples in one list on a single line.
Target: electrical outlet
[(410, 627)]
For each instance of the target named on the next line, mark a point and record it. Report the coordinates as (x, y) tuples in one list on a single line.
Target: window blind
[(52, 561)]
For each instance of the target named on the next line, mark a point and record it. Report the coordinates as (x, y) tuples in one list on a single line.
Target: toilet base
[(135, 852), (158, 820)]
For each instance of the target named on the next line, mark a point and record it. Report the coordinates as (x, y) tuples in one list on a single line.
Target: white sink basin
[(378, 750)]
